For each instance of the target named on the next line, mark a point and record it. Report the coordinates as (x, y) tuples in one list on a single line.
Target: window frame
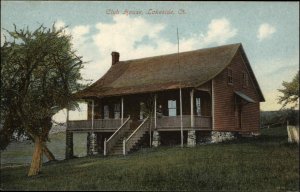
[(245, 79), (229, 76), (104, 111), (117, 110), (142, 112), (172, 107)]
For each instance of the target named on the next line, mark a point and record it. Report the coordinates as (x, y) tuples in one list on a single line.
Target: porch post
[(181, 125), (93, 138), (69, 140), (122, 110), (191, 140), (155, 111), (213, 104), (104, 147), (93, 116), (150, 133), (192, 108)]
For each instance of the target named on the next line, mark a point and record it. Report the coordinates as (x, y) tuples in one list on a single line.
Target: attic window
[(229, 73), (245, 79)]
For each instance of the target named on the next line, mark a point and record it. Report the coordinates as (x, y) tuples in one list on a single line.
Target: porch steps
[(118, 148), (136, 143)]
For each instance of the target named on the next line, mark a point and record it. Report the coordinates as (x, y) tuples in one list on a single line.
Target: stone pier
[(92, 144), (156, 139), (69, 145), (191, 140)]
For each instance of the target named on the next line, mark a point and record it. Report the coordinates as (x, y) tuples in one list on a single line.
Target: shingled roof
[(162, 72)]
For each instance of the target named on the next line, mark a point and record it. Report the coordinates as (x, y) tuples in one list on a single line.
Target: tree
[(39, 73), (290, 92)]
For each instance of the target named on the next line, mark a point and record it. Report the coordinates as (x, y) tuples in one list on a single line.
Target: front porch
[(166, 111), (118, 124)]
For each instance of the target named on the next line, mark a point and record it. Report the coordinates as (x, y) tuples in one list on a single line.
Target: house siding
[(225, 115)]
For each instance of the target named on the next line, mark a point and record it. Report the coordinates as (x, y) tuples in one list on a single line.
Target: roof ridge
[(202, 49), (142, 75)]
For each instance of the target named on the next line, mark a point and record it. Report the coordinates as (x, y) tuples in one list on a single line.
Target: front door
[(238, 116)]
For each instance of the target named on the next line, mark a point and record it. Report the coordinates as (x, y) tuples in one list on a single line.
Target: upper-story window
[(245, 79), (229, 74)]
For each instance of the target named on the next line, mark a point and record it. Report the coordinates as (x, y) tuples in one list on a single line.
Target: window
[(198, 106), (172, 107), (142, 110), (117, 111), (106, 112), (230, 76), (245, 79)]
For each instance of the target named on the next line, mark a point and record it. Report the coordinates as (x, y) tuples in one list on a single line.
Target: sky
[(268, 31)]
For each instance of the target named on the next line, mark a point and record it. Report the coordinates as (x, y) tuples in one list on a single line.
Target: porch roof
[(162, 72), (244, 96)]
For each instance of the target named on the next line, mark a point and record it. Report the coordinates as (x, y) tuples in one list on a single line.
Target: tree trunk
[(48, 153), (36, 163)]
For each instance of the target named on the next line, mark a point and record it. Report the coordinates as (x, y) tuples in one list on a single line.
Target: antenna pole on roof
[(180, 94)]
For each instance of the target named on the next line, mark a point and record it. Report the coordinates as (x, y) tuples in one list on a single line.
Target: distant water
[(57, 128), (20, 153)]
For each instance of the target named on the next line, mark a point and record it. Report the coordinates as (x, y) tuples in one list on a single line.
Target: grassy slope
[(264, 163)]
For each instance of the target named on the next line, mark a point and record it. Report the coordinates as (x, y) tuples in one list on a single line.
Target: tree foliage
[(39, 73), (275, 118), (290, 92)]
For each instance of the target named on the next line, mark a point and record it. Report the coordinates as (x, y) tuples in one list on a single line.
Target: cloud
[(219, 31), (126, 35), (59, 24), (78, 32), (81, 35), (123, 35), (265, 31)]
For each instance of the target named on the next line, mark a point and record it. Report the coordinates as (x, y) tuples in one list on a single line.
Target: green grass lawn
[(265, 163)]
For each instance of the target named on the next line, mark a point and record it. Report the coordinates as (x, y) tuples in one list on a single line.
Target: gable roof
[(162, 72)]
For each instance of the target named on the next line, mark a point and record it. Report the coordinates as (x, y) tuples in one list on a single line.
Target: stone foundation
[(156, 139), (217, 137), (92, 144), (203, 137), (191, 140)]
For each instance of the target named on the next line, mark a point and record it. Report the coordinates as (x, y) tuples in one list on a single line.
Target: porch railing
[(203, 122), (135, 136), (98, 124), (174, 122), (164, 122), (108, 144)]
